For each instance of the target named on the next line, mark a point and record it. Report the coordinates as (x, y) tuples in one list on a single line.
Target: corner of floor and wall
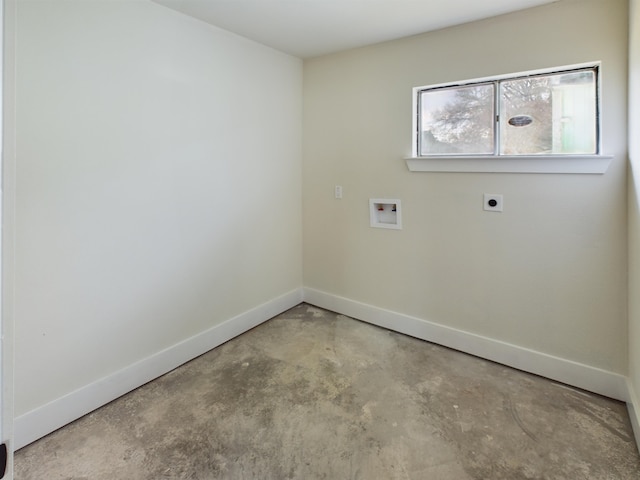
[(152, 227)]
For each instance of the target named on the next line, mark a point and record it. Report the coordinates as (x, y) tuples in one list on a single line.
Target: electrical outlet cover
[(493, 202)]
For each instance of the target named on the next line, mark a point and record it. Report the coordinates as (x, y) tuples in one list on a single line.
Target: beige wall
[(146, 213), (158, 186), (8, 224), (548, 274), (634, 204)]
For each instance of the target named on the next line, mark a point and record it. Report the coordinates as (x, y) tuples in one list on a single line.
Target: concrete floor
[(315, 395)]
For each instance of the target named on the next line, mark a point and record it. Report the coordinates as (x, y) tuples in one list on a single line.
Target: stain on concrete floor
[(312, 395)]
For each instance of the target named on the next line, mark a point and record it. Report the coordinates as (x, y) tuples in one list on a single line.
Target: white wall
[(548, 274), (158, 186), (634, 213)]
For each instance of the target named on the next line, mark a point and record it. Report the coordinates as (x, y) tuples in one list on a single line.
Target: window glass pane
[(457, 120), (551, 114)]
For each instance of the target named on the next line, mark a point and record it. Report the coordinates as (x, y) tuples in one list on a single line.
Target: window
[(552, 113)]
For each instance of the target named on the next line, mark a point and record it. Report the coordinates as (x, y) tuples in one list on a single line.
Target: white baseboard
[(48, 418), (633, 406), (582, 376)]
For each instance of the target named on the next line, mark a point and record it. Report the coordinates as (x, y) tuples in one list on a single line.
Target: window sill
[(585, 164)]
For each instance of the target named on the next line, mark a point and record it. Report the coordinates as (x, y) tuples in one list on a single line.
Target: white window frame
[(495, 163)]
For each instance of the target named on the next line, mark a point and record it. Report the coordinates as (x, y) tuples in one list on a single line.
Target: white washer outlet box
[(385, 213)]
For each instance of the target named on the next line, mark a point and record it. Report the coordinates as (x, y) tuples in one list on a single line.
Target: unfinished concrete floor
[(315, 395)]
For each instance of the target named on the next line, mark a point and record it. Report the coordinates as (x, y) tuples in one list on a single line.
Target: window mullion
[(496, 125), (418, 119)]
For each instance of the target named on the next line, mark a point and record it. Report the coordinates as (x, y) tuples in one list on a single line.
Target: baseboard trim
[(572, 373), (633, 406), (45, 419)]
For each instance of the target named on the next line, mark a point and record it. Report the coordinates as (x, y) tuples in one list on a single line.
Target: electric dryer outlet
[(493, 202)]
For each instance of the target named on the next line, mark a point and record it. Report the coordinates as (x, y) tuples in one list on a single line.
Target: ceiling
[(308, 28)]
